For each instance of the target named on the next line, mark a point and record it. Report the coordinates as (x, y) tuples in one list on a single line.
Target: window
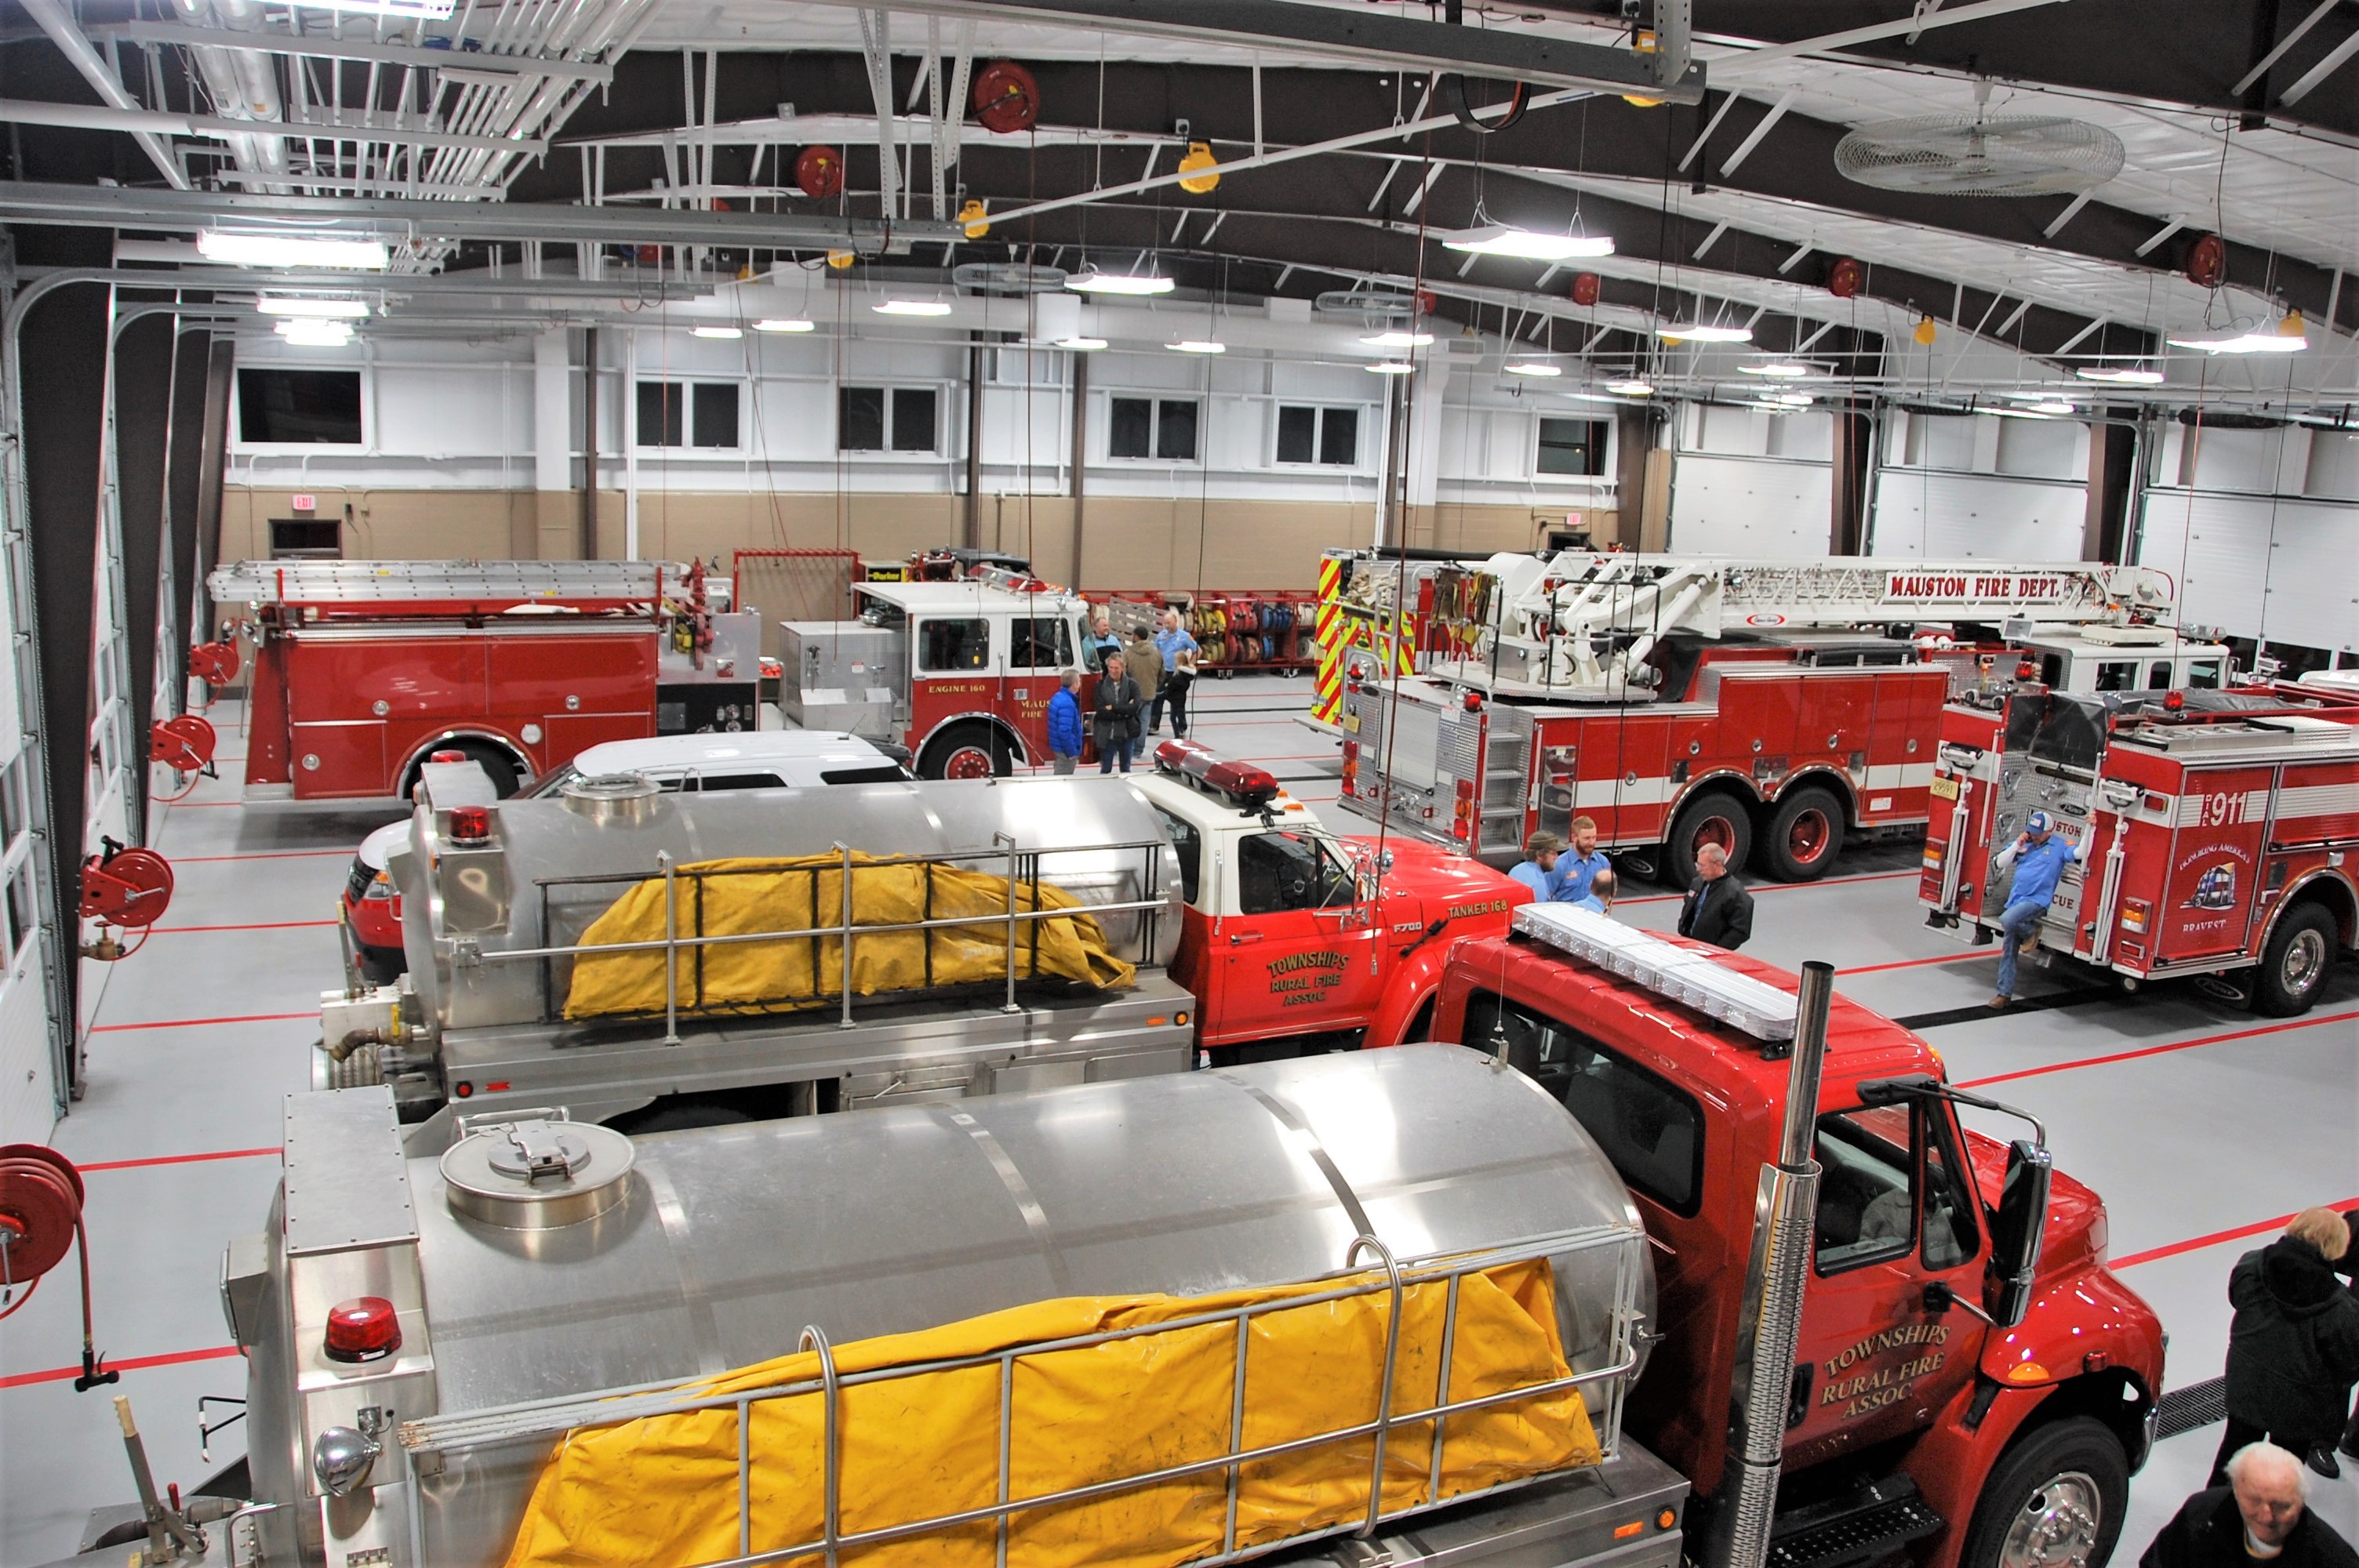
[(1865, 1211), (2157, 675), (311, 408), (1572, 446), (21, 905), (1951, 1237), (1039, 645), (876, 773), (1651, 1132), (684, 413), (885, 420), (2203, 674), (1329, 436), (1188, 843), (2115, 674), (953, 645), (1282, 871), (1163, 427)]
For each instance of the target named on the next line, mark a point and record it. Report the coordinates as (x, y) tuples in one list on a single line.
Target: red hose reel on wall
[(40, 1217), (127, 887)]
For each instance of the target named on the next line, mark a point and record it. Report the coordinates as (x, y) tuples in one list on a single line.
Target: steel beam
[(316, 46), (1354, 37), (58, 24), (157, 123)]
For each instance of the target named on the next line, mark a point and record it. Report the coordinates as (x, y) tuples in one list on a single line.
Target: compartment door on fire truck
[(1295, 955), (1896, 1211), (2214, 864)]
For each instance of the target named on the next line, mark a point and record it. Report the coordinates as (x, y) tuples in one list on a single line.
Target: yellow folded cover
[(662, 1490), (720, 898)]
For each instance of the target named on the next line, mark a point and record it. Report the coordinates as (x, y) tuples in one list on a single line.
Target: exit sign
[(306, 504)]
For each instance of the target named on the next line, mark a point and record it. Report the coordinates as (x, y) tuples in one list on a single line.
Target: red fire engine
[(2216, 830), (959, 671), (1970, 1387), (1765, 707), (362, 669)]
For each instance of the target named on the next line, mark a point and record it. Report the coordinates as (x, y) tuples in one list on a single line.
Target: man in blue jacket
[(1065, 723), (2039, 857)]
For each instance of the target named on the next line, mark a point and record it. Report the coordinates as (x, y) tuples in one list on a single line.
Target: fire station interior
[(634, 474)]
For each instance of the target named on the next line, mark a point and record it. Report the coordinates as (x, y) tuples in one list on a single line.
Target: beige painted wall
[(1128, 542)]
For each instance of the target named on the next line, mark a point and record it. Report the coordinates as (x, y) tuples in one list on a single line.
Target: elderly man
[(2039, 857), (1717, 909), (1103, 641), (2257, 1518)]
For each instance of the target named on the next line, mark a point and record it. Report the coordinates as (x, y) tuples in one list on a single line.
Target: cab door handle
[(1238, 937)]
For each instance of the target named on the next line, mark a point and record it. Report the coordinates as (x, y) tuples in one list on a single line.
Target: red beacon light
[(446, 755), (1473, 701), (1248, 788), (2025, 670), (363, 1329), (2174, 701), (471, 825)]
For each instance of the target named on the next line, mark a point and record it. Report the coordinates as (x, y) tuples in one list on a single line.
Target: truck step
[(1883, 1520)]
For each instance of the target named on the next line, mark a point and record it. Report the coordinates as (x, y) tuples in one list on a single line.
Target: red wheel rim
[(968, 762), (1717, 830), (1806, 840)]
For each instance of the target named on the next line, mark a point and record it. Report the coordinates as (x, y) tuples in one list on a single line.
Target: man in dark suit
[(2257, 1518), (1718, 910)]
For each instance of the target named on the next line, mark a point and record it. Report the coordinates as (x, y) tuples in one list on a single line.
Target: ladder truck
[(2217, 832), (1765, 707)]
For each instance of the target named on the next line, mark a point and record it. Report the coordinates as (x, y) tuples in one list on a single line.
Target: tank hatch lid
[(1681, 974), (537, 1172), (347, 1178)]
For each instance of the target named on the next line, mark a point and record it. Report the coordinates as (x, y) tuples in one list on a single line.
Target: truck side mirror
[(2016, 1232)]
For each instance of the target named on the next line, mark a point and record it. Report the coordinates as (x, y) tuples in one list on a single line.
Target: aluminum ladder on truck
[(475, 584)]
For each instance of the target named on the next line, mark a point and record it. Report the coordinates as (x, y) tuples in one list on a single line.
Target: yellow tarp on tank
[(720, 898), (663, 1489)]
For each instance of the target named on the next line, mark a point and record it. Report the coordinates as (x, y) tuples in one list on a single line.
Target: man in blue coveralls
[(2039, 857), (1538, 869)]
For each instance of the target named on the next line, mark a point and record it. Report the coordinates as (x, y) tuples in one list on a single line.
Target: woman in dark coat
[(1114, 715), (2293, 1346)]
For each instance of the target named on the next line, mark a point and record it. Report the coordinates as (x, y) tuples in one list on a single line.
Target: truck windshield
[(960, 644), (1282, 871), (1039, 645)]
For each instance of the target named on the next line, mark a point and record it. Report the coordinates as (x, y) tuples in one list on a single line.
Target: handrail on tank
[(543, 1418)]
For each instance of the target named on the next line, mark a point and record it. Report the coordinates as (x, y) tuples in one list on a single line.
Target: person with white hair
[(1717, 909), (2260, 1517)]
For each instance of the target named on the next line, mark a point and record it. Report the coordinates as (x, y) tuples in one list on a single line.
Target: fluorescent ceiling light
[(2289, 338), (2121, 375), (1782, 370), (1091, 281), (2018, 414), (1698, 332), (1399, 341), (912, 308), (717, 332), (1631, 387), (1197, 346), (782, 324), (288, 250), (1533, 367), (311, 332), (1391, 367), (1502, 240), (429, 10), (2052, 408), (1082, 345), (1796, 399), (297, 305)]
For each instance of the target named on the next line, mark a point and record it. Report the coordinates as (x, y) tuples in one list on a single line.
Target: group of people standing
[(1130, 686), (1716, 909)]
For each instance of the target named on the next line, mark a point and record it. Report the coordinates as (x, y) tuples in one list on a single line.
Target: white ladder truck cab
[(1765, 707)]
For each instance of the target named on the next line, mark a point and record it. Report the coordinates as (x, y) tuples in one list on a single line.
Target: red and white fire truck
[(364, 669), (1970, 1387), (959, 671), (1295, 938), (1765, 707), (2216, 829)]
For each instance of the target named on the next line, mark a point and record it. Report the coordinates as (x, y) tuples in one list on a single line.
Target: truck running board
[(1871, 1524)]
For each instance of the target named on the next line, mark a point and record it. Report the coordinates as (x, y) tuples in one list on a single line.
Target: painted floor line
[(133, 1364), (2196, 1243), (97, 1166), (1758, 887), (2044, 1068), (257, 855), (200, 1022), (1911, 963), (258, 926)]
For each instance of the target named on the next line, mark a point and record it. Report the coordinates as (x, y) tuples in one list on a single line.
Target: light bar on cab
[(1691, 979), (1249, 787)]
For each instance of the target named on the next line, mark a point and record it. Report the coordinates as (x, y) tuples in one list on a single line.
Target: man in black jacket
[(2257, 1519), (1718, 910), (2293, 1345)]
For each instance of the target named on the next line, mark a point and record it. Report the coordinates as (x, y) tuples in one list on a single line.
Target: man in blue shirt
[(1179, 650), (1600, 896), (1103, 641), (1574, 869), (2039, 857), (1538, 869)]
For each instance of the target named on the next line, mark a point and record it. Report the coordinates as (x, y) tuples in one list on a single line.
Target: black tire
[(1804, 836), (2295, 963), (1714, 817), (2055, 1479), (680, 1117), (968, 750), (379, 966)]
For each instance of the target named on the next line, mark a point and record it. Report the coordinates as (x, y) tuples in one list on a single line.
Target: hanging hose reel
[(184, 743), (127, 887), (40, 1217)]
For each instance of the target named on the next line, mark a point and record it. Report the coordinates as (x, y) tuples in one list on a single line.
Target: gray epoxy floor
[(2207, 1122)]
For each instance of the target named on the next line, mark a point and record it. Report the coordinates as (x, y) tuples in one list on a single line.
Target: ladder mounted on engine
[(417, 588)]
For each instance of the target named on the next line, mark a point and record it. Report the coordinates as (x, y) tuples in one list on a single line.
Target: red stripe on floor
[(259, 855), (133, 1364), (2196, 1243), (1779, 887), (2161, 1050), (192, 805), (175, 1160), (198, 1023), (1898, 964), (259, 925)]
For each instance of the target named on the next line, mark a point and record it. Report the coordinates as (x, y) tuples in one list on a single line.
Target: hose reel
[(40, 1219)]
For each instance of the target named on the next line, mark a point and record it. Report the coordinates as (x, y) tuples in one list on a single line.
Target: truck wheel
[(498, 765), (2295, 964), (1714, 818), (2055, 1500), (966, 751), (1804, 833)]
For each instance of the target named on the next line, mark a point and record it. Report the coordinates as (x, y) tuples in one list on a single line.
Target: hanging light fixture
[(313, 333), (912, 308), (1505, 240), (1399, 340), (1197, 346), (293, 250), (1778, 369), (1703, 332), (2289, 338), (783, 324), (1532, 367), (2120, 375), (1089, 280), (724, 333), (1631, 386), (1391, 367)]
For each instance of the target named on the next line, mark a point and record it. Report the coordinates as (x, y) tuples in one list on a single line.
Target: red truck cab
[(1914, 1422)]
